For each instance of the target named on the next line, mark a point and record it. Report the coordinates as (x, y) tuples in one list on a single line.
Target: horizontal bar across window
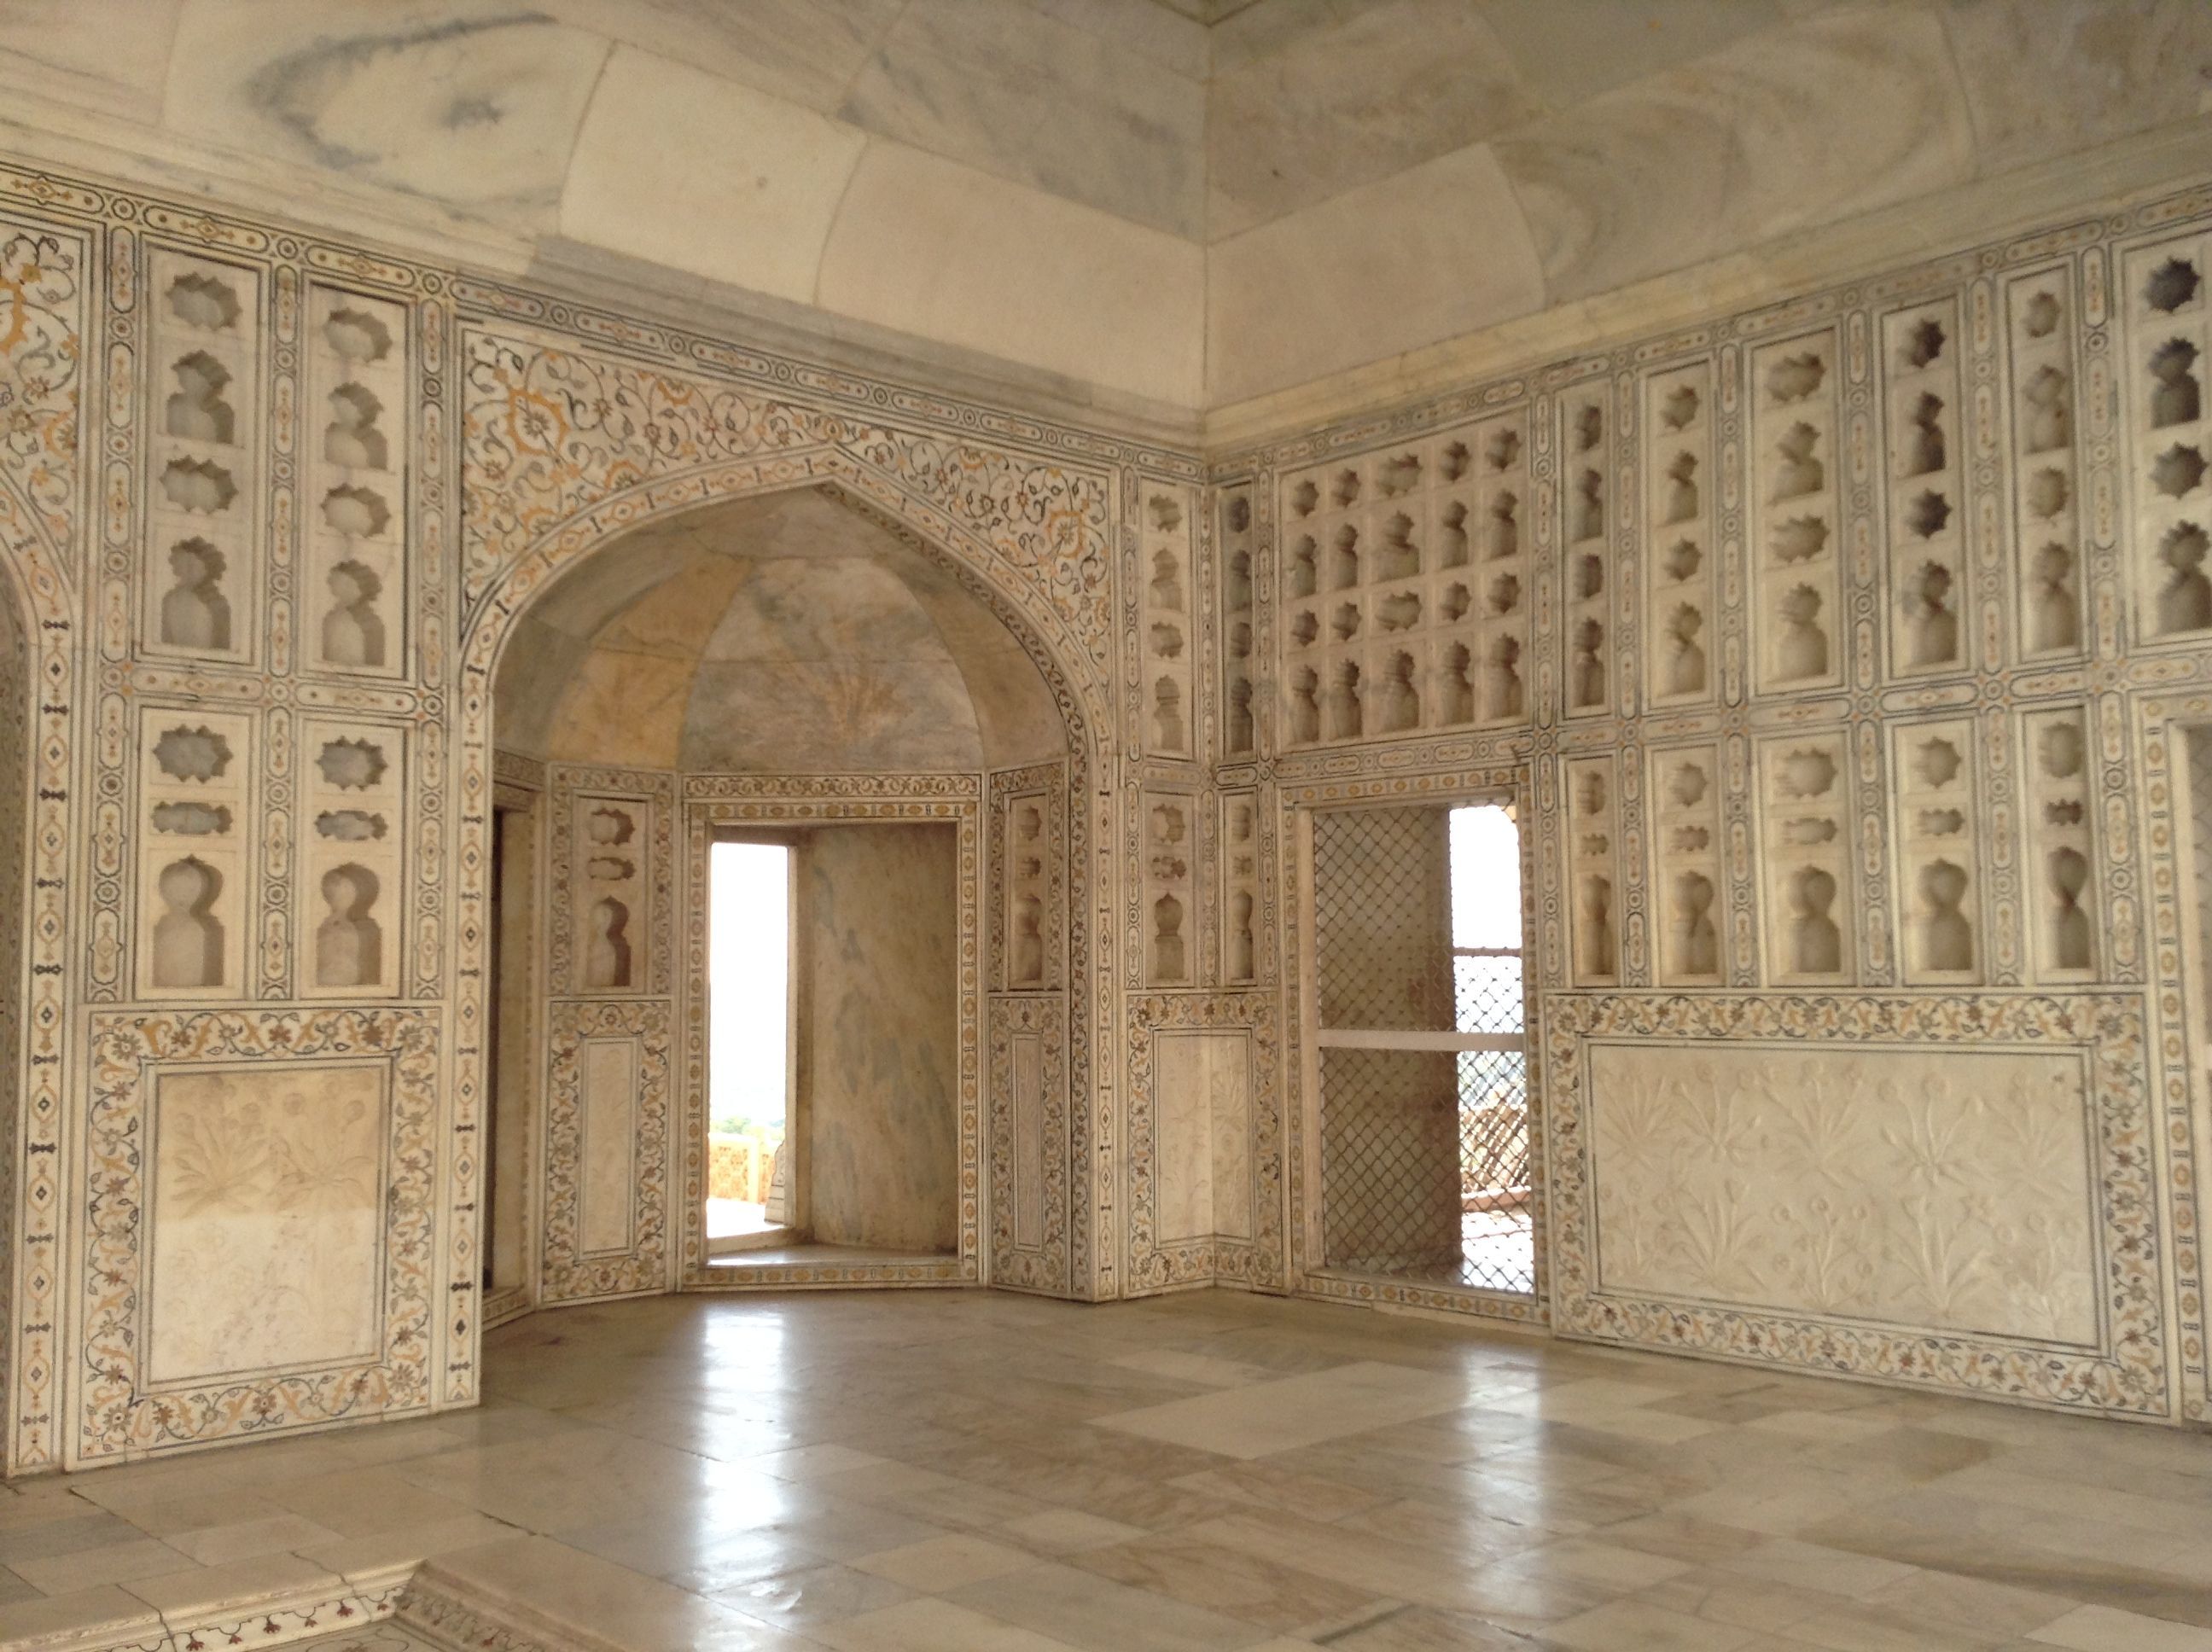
[(1388, 1038)]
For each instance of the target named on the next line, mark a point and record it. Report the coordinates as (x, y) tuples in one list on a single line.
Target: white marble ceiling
[(1179, 201)]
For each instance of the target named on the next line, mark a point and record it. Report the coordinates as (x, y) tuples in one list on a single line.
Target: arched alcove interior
[(790, 635)]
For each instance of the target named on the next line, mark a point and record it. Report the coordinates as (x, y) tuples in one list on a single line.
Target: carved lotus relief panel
[(1947, 1189), (267, 1203), (258, 1222)]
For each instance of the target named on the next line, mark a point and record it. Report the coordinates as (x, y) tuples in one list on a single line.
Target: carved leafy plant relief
[(288, 1213), (1949, 1192)]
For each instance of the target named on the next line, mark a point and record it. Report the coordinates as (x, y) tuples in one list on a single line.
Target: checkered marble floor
[(987, 1472)]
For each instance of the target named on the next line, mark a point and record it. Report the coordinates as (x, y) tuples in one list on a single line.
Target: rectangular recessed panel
[(608, 1067), (1231, 1083), (1945, 1189), (1182, 1135), (1201, 1131), (1029, 1140), (268, 1202)]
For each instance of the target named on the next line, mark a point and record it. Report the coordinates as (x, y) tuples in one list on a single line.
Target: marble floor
[(966, 1471)]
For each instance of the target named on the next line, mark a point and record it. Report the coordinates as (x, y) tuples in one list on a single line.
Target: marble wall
[(1878, 613), (880, 1066), (1842, 644)]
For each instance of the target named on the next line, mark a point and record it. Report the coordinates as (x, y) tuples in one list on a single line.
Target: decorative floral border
[(2177, 954), (2130, 1374), (1156, 1266), (281, 1623), (772, 800), (129, 1051), (44, 267), (550, 429), (566, 1273)]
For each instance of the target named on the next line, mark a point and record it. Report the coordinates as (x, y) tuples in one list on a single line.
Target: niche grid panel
[(1425, 1168)]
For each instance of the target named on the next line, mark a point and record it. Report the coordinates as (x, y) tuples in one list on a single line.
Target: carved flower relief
[(216, 1156), (321, 1163), (1896, 1186), (224, 1155)]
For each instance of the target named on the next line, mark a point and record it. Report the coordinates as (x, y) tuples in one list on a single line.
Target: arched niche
[(788, 633), (794, 660)]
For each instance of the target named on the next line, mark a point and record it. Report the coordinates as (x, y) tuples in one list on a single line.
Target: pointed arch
[(1072, 668)]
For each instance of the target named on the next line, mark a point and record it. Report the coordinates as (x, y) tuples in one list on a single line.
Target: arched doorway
[(797, 674)]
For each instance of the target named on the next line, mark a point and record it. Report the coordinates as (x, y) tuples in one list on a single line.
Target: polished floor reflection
[(983, 1473)]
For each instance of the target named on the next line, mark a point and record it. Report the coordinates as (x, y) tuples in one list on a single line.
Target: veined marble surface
[(974, 1471), (879, 909), (787, 635), (1106, 191)]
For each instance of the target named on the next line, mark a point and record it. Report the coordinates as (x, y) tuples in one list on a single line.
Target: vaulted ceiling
[(788, 635), (1179, 203)]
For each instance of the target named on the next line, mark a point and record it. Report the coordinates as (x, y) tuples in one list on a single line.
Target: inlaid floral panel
[(1028, 1142), (571, 1266), (274, 1137), (1950, 1191)]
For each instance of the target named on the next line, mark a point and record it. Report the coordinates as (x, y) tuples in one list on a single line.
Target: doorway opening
[(750, 1179), (833, 1045), (1427, 1166)]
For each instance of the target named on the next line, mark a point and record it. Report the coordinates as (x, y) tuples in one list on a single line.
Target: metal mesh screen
[(1488, 991), (1389, 1162), (1383, 919), (1426, 1164), (1498, 1249)]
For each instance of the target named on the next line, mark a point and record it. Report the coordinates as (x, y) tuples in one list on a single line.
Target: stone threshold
[(269, 1600)]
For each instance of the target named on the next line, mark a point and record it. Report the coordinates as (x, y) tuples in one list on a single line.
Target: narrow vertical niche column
[(513, 1038), (1427, 1170), (750, 1198)]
